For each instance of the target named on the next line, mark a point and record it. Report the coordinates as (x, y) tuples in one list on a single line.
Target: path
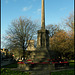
[(6, 62)]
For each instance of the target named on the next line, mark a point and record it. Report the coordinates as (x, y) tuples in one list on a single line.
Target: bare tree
[(52, 29), (19, 33), (69, 21)]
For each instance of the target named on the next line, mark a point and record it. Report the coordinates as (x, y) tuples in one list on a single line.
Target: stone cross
[(43, 16)]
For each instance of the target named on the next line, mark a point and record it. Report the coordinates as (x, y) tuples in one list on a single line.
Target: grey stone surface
[(43, 39), (43, 16)]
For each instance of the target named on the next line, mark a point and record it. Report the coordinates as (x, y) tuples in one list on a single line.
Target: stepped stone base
[(40, 73), (36, 67), (38, 56)]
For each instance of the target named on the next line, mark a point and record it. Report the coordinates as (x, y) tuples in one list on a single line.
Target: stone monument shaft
[(43, 34), (43, 16)]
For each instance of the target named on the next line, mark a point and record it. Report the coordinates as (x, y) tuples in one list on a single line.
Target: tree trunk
[(23, 52)]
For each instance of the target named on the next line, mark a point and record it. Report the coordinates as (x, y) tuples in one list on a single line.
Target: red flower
[(29, 60), (48, 59), (53, 62), (65, 62), (31, 63), (20, 62), (45, 62)]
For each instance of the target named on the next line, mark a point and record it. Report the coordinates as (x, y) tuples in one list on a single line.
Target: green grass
[(65, 72), (71, 61), (14, 65), (7, 71), (71, 65)]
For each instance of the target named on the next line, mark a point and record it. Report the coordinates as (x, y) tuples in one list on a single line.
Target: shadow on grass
[(65, 72), (7, 71), (14, 65), (71, 65)]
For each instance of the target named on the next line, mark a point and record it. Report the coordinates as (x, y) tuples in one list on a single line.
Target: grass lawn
[(71, 65), (7, 71), (71, 61), (65, 72), (14, 65)]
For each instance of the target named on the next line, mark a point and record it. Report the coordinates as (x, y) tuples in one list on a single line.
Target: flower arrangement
[(30, 62), (21, 62)]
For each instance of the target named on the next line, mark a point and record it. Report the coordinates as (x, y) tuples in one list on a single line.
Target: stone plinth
[(41, 54), (43, 39)]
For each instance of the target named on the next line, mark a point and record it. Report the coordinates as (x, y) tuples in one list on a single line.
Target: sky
[(55, 11)]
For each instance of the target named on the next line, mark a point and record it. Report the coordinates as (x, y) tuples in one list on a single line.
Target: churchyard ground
[(6, 70)]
